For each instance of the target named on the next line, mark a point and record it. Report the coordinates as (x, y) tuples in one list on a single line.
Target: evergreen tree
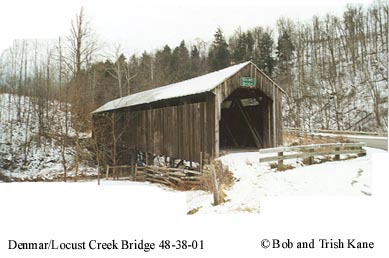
[(219, 55), (181, 63), (285, 50), (163, 66), (240, 50), (249, 41), (266, 60), (145, 72), (195, 62), (243, 50)]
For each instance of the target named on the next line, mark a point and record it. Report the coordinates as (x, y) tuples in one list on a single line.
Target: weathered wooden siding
[(180, 131)]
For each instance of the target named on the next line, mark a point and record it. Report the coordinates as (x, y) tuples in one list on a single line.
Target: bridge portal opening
[(246, 120)]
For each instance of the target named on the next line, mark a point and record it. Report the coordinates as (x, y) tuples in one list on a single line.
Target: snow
[(255, 181), (192, 86), (43, 159), (75, 212)]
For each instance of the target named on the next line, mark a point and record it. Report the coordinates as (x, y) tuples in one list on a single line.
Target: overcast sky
[(149, 24)]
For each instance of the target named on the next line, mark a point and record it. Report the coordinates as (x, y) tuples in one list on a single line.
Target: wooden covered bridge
[(193, 120)]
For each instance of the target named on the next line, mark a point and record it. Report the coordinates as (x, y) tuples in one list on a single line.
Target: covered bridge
[(236, 107)]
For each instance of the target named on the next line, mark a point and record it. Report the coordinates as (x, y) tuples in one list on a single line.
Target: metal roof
[(201, 84)]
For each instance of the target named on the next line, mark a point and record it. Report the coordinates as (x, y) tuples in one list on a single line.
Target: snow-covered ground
[(254, 181)]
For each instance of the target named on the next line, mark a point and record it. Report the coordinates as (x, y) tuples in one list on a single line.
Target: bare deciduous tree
[(81, 49)]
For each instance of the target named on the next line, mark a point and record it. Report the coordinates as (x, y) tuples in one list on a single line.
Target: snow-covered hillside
[(30, 149)]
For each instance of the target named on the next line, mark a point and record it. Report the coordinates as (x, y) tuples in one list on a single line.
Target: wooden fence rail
[(156, 174), (310, 151), (119, 171), (168, 176)]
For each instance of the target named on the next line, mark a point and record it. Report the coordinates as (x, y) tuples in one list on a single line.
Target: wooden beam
[(268, 109), (254, 132), (134, 160), (230, 134), (274, 118)]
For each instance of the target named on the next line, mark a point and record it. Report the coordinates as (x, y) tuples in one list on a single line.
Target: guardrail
[(300, 130), (310, 151)]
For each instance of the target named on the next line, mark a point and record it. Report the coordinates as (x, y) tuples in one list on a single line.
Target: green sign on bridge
[(247, 81)]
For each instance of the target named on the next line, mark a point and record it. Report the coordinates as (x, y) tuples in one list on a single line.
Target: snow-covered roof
[(201, 84)]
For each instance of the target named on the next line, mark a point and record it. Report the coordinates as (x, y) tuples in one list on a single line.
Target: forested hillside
[(333, 68)]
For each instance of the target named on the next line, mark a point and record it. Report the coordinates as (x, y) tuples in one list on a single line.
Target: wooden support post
[(106, 173), (274, 116), (149, 158), (201, 161), (135, 171), (133, 160), (337, 156), (269, 125), (215, 187), (254, 132), (311, 158), (280, 161)]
